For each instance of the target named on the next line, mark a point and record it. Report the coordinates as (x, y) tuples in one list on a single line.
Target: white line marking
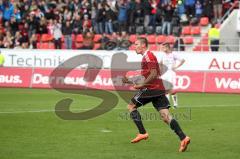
[(144, 107), (105, 131)]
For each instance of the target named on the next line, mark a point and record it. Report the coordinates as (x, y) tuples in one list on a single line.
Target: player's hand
[(125, 79), (138, 86), (174, 68)]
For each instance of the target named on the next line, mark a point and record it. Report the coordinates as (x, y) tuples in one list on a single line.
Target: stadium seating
[(153, 47), (97, 38), (161, 39), (79, 38), (170, 39), (151, 39), (132, 47), (46, 38), (133, 38), (204, 21), (195, 30), (96, 46), (45, 45), (186, 30), (188, 40)]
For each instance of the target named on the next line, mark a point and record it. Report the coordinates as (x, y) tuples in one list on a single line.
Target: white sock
[(168, 97), (175, 101)]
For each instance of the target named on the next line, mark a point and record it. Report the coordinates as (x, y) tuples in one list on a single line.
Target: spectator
[(100, 19), (165, 2), (50, 26), (18, 40), (38, 13), (111, 42), (167, 19), (77, 24), (93, 15), (42, 28), (104, 40), (198, 7), (213, 36), (17, 15), (67, 32), (179, 45), (190, 8), (8, 40), (43, 6), (154, 4), (180, 8), (33, 42), (7, 9), (217, 9), (110, 17), (33, 23), (24, 36), (57, 34), (107, 16), (138, 12), (208, 9), (67, 14), (85, 7), (147, 12), (227, 4), (88, 42), (124, 42), (122, 7), (13, 25), (2, 59), (1, 42), (86, 23)]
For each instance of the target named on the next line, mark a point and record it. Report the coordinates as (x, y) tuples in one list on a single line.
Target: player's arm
[(161, 67), (182, 61), (152, 76), (126, 80)]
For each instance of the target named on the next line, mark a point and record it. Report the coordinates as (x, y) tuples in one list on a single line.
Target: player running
[(151, 90), (168, 65)]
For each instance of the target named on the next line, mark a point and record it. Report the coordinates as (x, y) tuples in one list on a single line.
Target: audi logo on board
[(182, 82)]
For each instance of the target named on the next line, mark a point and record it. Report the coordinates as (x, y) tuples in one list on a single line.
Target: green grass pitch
[(30, 129)]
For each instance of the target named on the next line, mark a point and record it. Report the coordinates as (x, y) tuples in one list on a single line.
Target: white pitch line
[(105, 131), (149, 107)]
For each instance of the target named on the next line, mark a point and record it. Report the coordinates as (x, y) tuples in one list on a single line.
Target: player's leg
[(168, 96), (167, 118), (136, 117), (168, 82), (173, 91), (174, 99), (162, 105), (174, 125), (137, 101)]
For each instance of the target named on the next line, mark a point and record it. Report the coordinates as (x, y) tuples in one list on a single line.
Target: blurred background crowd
[(22, 22)]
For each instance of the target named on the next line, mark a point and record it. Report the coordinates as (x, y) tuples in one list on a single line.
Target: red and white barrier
[(219, 82)]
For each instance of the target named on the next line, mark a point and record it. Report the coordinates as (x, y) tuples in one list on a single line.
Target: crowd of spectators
[(22, 21)]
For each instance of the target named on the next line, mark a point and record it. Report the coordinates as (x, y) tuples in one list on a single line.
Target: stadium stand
[(40, 19)]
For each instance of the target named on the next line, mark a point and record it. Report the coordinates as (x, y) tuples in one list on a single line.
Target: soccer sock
[(174, 98), (136, 117), (168, 97), (177, 129)]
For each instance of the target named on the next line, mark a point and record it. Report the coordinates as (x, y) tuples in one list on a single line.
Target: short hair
[(143, 41), (166, 44)]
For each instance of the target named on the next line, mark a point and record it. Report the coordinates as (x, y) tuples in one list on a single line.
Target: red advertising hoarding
[(219, 82)]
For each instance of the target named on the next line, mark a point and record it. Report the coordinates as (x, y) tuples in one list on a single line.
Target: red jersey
[(149, 61)]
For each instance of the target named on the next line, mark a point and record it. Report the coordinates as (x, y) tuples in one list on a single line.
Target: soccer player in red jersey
[(151, 90)]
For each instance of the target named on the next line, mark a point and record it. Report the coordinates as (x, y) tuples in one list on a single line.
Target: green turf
[(211, 120)]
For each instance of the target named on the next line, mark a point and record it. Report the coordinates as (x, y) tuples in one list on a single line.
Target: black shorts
[(157, 97)]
